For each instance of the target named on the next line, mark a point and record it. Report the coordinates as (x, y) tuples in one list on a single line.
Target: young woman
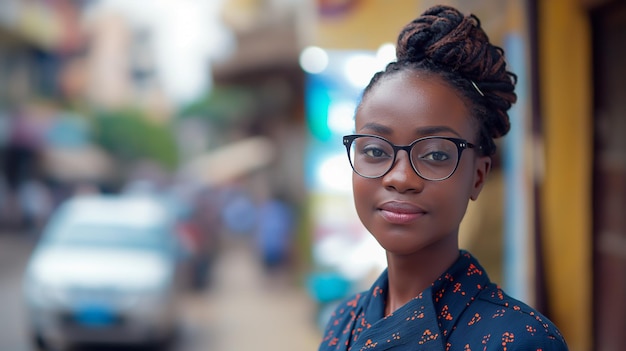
[(422, 149)]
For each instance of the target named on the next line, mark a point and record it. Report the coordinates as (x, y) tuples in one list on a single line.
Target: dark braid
[(445, 42)]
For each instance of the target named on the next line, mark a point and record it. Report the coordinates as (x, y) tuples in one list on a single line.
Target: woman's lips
[(400, 212)]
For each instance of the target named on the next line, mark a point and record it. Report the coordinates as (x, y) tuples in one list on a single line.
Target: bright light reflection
[(386, 53), (340, 117), (313, 60), (364, 257), (335, 174), (359, 69), (354, 259)]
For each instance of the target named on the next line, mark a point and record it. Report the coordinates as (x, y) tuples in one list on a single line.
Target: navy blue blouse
[(462, 310)]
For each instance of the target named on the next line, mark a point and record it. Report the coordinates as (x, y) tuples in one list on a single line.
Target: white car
[(106, 270)]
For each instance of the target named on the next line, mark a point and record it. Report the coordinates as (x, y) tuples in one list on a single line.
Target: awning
[(231, 161), (88, 163)]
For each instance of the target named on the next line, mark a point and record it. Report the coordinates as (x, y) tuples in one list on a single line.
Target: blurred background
[(231, 112)]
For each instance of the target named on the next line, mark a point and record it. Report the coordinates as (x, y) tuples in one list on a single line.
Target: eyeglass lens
[(432, 159)]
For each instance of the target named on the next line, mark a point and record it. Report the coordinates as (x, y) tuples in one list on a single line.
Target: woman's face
[(404, 212)]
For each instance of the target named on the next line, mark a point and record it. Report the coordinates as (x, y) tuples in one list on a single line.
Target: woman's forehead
[(412, 102)]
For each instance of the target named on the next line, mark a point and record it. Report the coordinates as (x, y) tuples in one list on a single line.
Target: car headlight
[(45, 295)]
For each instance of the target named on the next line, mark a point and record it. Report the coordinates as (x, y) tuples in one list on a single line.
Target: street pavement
[(15, 249), (249, 310)]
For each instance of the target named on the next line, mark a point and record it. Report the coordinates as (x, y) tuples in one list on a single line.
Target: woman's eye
[(374, 152), (436, 156)]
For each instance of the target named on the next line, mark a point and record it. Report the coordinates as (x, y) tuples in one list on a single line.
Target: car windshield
[(110, 236)]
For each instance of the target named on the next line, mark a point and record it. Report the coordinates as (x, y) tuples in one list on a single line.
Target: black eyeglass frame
[(461, 144)]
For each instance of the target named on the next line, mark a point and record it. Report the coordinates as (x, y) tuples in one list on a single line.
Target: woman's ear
[(483, 166)]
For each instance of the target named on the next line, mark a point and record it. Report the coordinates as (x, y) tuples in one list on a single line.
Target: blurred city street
[(233, 113), (244, 308), (247, 311)]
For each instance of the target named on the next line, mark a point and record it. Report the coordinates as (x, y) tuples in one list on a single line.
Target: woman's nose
[(402, 177)]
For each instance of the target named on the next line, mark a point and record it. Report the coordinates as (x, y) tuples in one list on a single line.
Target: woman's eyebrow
[(434, 130), (377, 128), (421, 131)]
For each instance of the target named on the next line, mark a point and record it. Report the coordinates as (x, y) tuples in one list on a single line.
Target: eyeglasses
[(432, 158)]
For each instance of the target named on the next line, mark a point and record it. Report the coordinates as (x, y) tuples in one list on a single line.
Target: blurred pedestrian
[(425, 128), (205, 227), (239, 212), (21, 160), (36, 204), (274, 233)]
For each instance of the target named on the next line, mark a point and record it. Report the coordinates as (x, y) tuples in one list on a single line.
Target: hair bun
[(443, 35), (443, 39)]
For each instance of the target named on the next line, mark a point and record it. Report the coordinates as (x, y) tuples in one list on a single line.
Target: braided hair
[(444, 42)]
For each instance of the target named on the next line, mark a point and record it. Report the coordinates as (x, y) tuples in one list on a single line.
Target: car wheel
[(169, 340), (39, 342)]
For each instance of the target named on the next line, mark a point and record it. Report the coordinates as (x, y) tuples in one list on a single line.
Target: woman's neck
[(410, 275)]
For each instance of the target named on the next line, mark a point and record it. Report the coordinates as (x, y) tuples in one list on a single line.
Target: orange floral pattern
[(462, 310)]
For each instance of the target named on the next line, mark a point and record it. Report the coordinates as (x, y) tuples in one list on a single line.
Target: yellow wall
[(566, 88), (369, 24)]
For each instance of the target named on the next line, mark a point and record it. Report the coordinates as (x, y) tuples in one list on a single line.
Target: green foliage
[(223, 107), (130, 135)]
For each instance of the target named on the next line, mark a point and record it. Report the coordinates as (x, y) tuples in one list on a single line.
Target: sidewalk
[(248, 311)]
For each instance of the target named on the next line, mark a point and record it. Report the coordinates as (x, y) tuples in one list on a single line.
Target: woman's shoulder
[(340, 321), (496, 320), (347, 306)]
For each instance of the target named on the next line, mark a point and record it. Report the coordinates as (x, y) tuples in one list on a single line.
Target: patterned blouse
[(462, 311)]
